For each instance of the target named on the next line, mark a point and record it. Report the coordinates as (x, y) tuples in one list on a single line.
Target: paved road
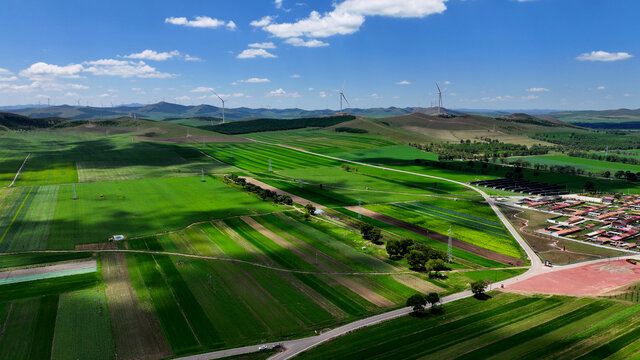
[(295, 347), (19, 171)]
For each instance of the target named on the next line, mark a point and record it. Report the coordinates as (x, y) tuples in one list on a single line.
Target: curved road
[(295, 347)]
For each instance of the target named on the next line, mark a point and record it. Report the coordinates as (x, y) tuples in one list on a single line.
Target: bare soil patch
[(474, 249), (137, 332), (295, 198), (97, 246), (586, 280)]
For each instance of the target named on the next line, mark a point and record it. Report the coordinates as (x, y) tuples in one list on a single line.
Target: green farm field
[(467, 226), (323, 141), (506, 326), (42, 217), (586, 164)]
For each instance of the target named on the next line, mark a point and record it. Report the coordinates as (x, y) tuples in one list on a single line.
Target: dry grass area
[(138, 333)]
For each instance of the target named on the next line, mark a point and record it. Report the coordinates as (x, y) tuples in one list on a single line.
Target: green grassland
[(323, 141), (505, 326), (473, 229), (586, 164), (48, 216)]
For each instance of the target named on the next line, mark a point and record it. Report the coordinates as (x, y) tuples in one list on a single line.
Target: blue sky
[(486, 54)]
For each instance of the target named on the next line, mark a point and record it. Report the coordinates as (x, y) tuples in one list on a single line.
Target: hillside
[(17, 122), (508, 128), (164, 110), (604, 116)]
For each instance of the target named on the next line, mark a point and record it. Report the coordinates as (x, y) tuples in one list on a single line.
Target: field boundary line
[(19, 170), (217, 258), (16, 215)]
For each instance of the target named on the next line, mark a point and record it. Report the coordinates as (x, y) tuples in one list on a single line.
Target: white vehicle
[(263, 347)]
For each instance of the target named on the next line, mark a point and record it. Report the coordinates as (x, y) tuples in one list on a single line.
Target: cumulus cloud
[(153, 55), (403, 82), (347, 17), (263, 45), (188, 57), (604, 56), (281, 93), (308, 43), (538, 89), (6, 75), (278, 4), (252, 81), (322, 94), (600, 88), (201, 89), (262, 22), (200, 22), (123, 68), (295, 76), (38, 85), (42, 70), (509, 98), (108, 67), (254, 53)]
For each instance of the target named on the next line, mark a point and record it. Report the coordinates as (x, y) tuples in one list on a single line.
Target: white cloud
[(201, 89), (282, 93), (600, 88), (627, 95), (188, 57), (41, 70), (253, 81), (278, 4), (122, 68), (6, 75), (348, 16), (310, 89), (447, 82), (604, 56), (509, 98), (72, 94), (295, 76), (182, 98), (403, 82), (253, 53), (231, 25), (309, 43), (262, 22), (322, 94), (153, 55), (136, 89), (263, 45), (538, 89), (200, 22)]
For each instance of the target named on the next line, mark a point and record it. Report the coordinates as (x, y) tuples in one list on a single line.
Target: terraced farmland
[(507, 326)]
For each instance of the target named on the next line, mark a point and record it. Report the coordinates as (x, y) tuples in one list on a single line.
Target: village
[(610, 220)]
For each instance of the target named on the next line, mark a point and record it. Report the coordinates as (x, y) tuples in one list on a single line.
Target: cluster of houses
[(606, 221)]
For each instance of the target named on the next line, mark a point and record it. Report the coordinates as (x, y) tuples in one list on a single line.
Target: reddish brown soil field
[(585, 280)]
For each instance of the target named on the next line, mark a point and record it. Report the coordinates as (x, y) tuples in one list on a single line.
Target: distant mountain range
[(164, 110)]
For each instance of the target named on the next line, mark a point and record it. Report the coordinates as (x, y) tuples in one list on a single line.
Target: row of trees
[(595, 140), (607, 157), (263, 193), (485, 149), (419, 301)]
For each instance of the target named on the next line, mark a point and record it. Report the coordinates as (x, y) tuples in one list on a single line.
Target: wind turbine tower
[(222, 107), (343, 97), (439, 99)]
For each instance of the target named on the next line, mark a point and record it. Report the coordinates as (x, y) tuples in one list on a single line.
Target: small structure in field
[(117, 238)]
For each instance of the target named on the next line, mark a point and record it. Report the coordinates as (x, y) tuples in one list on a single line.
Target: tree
[(393, 248), (310, 208), (607, 174), (432, 298), (478, 287), (370, 232), (435, 265), (307, 217), (416, 259), (589, 186), (417, 302)]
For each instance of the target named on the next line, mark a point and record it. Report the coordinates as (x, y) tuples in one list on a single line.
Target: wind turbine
[(222, 108), (343, 97), (439, 99)]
